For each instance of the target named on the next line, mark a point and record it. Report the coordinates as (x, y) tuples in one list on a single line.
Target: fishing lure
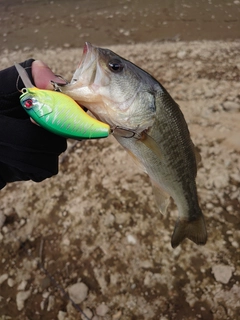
[(59, 113)]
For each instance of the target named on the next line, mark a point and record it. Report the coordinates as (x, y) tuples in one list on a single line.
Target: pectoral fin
[(151, 144), (161, 197), (136, 161)]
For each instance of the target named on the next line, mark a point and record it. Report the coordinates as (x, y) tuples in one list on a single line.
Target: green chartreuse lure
[(59, 113)]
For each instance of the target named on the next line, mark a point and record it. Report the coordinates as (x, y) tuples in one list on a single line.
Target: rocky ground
[(93, 232)]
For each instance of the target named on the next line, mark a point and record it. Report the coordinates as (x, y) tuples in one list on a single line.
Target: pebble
[(22, 285), (181, 54), (122, 218), (3, 277), (131, 239), (109, 220), (78, 292), (45, 294), (117, 315), (62, 315), (51, 302), (88, 313), (5, 229), (102, 310), (66, 242), (231, 106), (21, 297), (10, 282), (222, 273)]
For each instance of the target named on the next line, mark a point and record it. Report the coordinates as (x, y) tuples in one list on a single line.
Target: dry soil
[(94, 232)]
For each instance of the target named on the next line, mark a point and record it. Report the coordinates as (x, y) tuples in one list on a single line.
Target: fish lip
[(87, 50), (89, 56), (87, 47)]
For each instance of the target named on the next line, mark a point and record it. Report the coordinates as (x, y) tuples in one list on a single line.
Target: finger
[(42, 75)]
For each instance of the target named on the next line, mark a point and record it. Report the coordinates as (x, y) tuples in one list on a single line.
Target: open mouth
[(85, 62)]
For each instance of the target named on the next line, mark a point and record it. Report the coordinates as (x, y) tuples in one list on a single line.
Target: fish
[(58, 113), (150, 125)]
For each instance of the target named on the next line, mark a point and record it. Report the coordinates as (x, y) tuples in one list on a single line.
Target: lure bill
[(58, 113)]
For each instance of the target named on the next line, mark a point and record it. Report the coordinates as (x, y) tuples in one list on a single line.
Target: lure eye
[(28, 103), (115, 65)]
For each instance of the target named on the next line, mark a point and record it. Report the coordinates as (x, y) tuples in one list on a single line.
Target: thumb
[(42, 75)]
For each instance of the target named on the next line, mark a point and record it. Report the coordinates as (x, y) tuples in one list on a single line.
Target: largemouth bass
[(147, 121)]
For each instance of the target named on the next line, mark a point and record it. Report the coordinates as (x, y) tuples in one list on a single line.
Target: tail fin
[(194, 230)]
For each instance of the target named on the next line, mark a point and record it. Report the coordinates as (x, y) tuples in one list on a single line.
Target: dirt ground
[(61, 23), (93, 232)]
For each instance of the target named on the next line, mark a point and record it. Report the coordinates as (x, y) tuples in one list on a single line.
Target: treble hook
[(117, 130)]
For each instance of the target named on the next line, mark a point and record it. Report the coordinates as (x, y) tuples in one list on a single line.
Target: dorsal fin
[(136, 161)]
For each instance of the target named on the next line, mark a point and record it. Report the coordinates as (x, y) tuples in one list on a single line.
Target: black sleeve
[(27, 152)]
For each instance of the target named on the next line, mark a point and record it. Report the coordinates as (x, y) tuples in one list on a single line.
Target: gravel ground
[(94, 229)]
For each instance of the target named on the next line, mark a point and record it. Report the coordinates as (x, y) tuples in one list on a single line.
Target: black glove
[(27, 152)]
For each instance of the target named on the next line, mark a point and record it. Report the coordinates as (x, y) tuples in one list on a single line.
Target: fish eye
[(115, 65)]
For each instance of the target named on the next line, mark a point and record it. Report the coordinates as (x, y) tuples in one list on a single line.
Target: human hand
[(27, 151), (42, 75)]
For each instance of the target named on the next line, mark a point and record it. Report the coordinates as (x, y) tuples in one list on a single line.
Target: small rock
[(222, 273), (21, 297), (102, 310), (117, 315), (22, 222), (181, 54), (231, 106), (78, 292), (3, 277), (45, 294), (62, 315), (22, 285), (10, 282), (88, 313), (122, 218), (131, 239), (5, 229), (51, 302), (66, 242), (109, 220), (66, 45)]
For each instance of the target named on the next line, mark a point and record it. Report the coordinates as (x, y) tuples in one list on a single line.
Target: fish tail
[(194, 230)]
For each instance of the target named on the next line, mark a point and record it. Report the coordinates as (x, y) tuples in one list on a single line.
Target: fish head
[(115, 90)]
